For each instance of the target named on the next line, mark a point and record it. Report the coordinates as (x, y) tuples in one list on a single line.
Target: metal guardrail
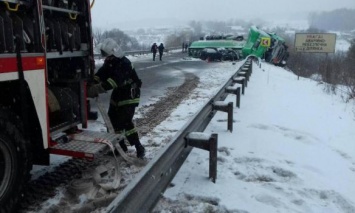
[(144, 191)]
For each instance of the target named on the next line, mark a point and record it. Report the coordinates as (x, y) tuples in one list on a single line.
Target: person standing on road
[(161, 50), (154, 50), (118, 74)]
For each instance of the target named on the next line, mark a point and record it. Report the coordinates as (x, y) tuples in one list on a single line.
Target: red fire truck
[(46, 59)]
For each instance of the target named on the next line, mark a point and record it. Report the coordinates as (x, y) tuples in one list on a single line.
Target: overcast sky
[(120, 14)]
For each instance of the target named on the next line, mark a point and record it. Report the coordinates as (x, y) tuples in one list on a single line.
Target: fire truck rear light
[(40, 61)]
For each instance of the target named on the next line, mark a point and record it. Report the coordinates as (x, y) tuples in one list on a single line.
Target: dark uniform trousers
[(121, 118)]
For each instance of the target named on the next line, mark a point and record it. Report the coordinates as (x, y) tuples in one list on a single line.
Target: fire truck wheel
[(15, 164)]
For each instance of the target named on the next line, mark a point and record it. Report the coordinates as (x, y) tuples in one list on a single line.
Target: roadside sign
[(315, 42), (265, 42)]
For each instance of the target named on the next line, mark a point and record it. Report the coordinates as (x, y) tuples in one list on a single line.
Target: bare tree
[(98, 36), (349, 71), (197, 27)]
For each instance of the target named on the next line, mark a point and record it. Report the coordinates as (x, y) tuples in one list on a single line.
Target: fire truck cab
[(46, 58)]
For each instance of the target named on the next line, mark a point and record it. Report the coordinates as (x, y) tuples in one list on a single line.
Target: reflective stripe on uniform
[(112, 83), (125, 102), (130, 132), (97, 78)]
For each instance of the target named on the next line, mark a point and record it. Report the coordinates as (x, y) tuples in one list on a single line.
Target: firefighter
[(118, 74)]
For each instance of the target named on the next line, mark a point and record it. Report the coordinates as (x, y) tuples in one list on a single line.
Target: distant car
[(229, 55), (211, 54)]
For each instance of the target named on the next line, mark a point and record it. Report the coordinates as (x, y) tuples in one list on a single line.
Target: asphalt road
[(157, 76)]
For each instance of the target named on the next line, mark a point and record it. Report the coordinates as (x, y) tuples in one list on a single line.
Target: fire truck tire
[(15, 163)]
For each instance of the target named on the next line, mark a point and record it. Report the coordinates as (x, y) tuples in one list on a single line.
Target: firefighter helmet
[(110, 47)]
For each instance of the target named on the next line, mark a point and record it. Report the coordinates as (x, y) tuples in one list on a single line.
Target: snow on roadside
[(211, 81), (291, 150)]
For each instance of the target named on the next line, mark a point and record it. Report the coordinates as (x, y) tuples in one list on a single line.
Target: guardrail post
[(238, 97), (225, 107), (246, 71), (207, 142), (240, 80), (230, 116), (248, 67), (251, 65), (243, 74), (235, 91), (213, 142)]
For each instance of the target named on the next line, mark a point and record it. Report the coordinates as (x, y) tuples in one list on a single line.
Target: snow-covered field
[(291, 150)]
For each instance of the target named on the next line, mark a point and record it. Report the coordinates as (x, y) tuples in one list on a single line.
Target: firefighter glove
[(95, 90)]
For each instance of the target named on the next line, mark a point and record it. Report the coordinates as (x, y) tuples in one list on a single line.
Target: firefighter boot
[(140, 150), (134, 141)]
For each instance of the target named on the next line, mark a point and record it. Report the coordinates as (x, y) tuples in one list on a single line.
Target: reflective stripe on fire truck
[(9, 64)]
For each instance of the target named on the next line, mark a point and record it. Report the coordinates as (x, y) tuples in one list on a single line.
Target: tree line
[(195, 31), (126, 42), (338, 20)]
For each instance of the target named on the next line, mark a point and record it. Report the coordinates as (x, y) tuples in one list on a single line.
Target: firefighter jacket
[(119, 75)]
